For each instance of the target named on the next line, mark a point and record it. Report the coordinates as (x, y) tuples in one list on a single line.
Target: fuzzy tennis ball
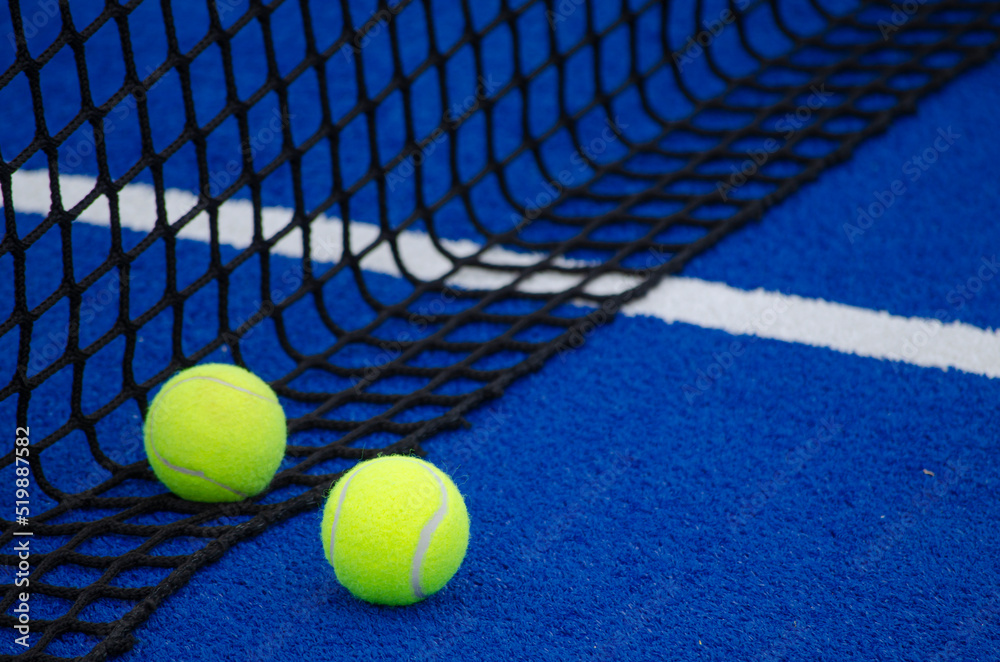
[(395, 530), (215, 433)]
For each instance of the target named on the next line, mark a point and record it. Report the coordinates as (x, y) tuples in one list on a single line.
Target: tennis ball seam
[(195, 474), (185, 470), (426, 532), (223, 382)]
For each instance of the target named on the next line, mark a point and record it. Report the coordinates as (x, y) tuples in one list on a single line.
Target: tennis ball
[(395, 530), (215, 433)]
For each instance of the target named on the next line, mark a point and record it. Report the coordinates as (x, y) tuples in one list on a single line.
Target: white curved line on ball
[(218, 381), (340, 504), (426, 534), (192, 472), (196, 474)]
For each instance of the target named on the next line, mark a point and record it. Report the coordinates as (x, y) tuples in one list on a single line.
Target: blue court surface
[(803, 466)]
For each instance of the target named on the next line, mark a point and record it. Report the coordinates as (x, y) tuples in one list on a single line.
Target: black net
[(411, 243)]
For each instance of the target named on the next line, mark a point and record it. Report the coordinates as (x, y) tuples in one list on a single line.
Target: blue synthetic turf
[(919, 256), (612, 518)]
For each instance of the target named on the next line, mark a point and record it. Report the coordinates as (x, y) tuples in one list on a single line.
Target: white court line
[(848, 329), (843, 328), (137, 211)]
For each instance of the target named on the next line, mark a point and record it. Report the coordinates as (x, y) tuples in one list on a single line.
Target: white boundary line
[(843, 328), (877, 334)]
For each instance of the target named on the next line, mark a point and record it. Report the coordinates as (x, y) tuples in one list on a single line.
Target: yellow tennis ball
[(215, 432), (395, 530)]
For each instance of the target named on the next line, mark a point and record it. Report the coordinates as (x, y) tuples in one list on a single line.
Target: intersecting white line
[(847, 329)]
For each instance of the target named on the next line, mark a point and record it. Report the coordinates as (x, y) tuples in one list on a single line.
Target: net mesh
[(441, 198)]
